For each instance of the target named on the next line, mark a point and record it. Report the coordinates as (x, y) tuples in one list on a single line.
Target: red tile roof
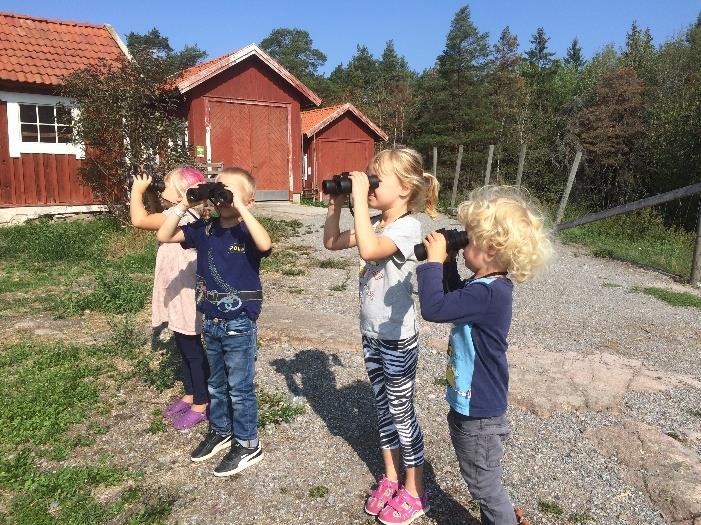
[(42, 51), (315, 120)]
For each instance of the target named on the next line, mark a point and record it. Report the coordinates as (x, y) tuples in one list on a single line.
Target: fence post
[(457, 175), (435, 161), (696, 266), (568, 187), (521, 161), (489, 164)]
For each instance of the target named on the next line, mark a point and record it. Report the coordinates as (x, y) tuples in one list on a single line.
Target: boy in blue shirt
[(506, 238), (228, 290)]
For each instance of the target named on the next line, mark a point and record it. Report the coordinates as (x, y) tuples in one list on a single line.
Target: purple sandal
[(189, 419), (176, 408)]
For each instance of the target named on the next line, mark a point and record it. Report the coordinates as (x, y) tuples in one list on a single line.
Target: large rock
[(666, 471), (546, 382)]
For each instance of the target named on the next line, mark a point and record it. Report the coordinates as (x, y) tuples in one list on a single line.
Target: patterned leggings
[(391, 366)]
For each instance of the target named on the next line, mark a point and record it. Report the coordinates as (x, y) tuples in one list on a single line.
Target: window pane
[(46, 115), (27, 113), (30, 133), (65, 134), (63, 115), (47, 134)]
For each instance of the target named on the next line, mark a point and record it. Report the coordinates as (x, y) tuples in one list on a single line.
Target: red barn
[(336, 138), (243, 109), (38, 163)]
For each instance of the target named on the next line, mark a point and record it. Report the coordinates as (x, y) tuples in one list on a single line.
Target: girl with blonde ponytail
[(386, 243)]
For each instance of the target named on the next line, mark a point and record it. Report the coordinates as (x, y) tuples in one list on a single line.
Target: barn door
[(335, 156), (254, 136)]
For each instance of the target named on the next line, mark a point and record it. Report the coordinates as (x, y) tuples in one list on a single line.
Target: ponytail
[(431, 187)]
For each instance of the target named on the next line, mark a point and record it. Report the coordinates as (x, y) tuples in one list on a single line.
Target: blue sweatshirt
[(480, 310)]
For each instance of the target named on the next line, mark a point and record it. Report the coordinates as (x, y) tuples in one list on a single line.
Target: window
[(48, 124)]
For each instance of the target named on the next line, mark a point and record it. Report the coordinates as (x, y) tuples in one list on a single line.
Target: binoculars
[(157, 183), (214, 191), (455, 240), (342, 184)]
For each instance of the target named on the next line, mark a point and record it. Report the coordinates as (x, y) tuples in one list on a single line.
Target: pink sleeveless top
[(173, 301)]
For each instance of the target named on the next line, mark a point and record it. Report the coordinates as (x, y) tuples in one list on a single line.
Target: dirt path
[(605, 404)]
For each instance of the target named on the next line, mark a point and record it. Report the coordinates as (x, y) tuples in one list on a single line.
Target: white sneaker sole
[(240, 467), (221, 446), (410, 520)]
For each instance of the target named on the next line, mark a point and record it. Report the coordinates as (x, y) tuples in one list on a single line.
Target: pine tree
[(539, 54), (574, 55)]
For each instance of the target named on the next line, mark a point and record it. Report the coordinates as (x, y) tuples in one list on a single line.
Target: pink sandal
[(381, 494), (404, 508)]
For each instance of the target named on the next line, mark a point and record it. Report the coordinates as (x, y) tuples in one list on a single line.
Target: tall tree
[(639, 50), (295, 50), (539, 54), (394, 92), (153, 46), (574, 57)]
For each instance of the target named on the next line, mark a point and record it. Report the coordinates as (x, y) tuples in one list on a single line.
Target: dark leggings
[(195, 369)]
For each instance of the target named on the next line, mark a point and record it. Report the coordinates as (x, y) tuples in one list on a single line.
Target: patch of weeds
[(159, 370), (280, 229), (340, 264), (695, 412), (124, 336), (97, 428), (293, 272), (156, 511), (474, 506), (318, 491), (550, 507), (284, 490), (580, 517), (273, 408), (440, 381), (316, 203), (681, 299), (115, 292), (286, 260), (295, 290), (157, 424)]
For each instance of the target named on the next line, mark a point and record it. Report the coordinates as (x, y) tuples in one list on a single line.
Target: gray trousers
[(478, 445)]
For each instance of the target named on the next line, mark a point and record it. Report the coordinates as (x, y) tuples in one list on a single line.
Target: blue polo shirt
[(228, 269), (477, 374)]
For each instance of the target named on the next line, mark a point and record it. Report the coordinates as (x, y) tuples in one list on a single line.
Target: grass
[(695, 412), (157, 424), (550, 507), (580, 517), (681, 299), (312, 202), (640, 237), (280, 229), (318, 491), (340, 264), (273, 408)]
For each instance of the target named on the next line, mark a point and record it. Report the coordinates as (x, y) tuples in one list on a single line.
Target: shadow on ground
[(349, 413)]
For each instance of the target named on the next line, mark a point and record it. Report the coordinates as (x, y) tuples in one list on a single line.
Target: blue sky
[(418, 28)]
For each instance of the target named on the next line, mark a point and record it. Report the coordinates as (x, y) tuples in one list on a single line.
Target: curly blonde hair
[(407, 165), (503, 218)]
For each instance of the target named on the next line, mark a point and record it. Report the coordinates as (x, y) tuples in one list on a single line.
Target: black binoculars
[(455, 240), (214, 191), (157, 183), (342, 184)]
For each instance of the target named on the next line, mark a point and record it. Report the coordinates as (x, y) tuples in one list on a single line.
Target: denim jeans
[(478, 445), (231, 352)]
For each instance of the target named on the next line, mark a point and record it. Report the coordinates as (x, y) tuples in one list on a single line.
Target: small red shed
[(243, 109), (38, 163), (336, 138)]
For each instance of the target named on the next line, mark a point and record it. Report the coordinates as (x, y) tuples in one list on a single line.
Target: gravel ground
[(552, 467)]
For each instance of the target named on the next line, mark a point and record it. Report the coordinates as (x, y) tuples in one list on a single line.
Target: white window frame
[(14, 128)]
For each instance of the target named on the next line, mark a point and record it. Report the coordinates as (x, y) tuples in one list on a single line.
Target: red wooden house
[(243, 109), (38, 163), (337, 138)]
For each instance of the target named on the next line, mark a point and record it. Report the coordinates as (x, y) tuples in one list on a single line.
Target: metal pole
[(521, 161), (457, 175), (568, 188), (435, 161), (489, 164)]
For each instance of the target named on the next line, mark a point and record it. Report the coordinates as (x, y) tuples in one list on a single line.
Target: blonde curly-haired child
[(507, 240)]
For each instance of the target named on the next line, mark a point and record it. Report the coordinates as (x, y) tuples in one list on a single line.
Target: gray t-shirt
[(385, 288)]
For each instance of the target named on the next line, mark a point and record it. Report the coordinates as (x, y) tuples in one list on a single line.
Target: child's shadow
[(349, 412)]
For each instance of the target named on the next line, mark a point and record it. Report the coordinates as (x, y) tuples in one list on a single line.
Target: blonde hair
[(246, 175), (503, 218), (406, 164)]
